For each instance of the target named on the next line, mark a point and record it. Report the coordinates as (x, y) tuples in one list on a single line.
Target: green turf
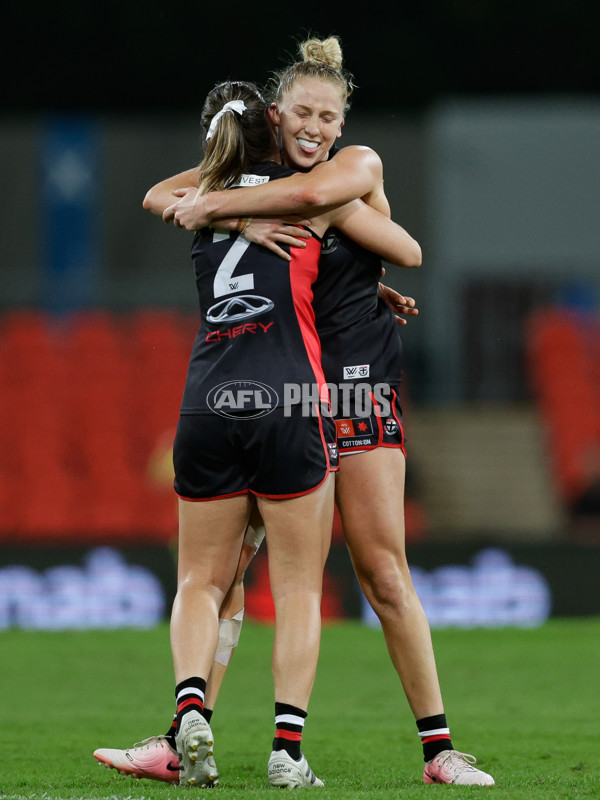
[(525, 702)]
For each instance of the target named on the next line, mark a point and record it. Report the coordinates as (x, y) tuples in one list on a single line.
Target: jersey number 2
[(223, 282)]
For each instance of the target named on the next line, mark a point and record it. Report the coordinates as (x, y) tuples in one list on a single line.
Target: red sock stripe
[(435, 738), (291, 736), (193, 701)]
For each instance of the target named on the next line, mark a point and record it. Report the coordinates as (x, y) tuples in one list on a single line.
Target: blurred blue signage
[(491, 592), (69, 215), (105, 592)]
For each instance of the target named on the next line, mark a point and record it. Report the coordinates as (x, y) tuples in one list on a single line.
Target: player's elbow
[(147, 202), (314, 195), (309, 199), (412, 256), (321, 197), (151, 201), (415, 256)]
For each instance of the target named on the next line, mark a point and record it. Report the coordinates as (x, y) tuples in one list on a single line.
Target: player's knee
[(388, 590)]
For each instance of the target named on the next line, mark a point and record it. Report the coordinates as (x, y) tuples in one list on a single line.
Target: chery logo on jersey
[(241, 307), (238, 330), (249, 398)]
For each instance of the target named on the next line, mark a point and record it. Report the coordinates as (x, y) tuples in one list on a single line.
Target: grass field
[(525, 702)]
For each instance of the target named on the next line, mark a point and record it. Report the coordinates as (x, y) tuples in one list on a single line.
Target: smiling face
[(310, 118)]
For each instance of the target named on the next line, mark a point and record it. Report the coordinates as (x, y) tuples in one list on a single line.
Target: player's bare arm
[(350, 175), (267, 232), (165, 193), (373, 231)]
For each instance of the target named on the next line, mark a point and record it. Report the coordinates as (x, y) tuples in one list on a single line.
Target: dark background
[(154, 54)]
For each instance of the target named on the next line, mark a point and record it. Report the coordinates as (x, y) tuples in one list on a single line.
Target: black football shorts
[(278, 455)]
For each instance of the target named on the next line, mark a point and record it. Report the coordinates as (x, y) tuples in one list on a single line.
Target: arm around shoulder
[(354, 172), (160, 196), (377, 233)]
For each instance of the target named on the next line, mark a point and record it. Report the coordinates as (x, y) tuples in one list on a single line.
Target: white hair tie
[(233, 105)]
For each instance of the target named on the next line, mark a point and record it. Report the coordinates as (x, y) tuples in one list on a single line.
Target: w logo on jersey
[(358, 371)]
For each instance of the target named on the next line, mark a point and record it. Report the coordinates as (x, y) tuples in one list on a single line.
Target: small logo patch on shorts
[(391, 426), (354, 427)]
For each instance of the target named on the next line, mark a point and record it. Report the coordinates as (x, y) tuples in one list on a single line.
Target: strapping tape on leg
[(229, 636), (254, 536)]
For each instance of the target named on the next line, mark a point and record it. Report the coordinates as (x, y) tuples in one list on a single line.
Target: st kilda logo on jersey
[(241, 307), (242, 399), (357, 371)]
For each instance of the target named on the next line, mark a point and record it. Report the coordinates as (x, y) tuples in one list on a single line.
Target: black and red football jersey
[(257, 320), (358, 331)]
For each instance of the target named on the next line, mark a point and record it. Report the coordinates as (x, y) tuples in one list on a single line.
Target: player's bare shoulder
[(359, 156)]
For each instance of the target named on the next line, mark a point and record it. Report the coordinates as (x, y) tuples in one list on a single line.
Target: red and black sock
[(435, 735), (289, 724), (189, 696), (170, 734)]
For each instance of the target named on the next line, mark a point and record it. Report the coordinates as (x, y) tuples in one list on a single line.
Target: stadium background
[(487, 118)]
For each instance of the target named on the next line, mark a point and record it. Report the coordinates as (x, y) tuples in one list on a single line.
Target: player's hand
[(401, 305), (268, 232), (187, 212)]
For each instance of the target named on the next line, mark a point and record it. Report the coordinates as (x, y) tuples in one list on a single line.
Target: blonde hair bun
[(325, 51)]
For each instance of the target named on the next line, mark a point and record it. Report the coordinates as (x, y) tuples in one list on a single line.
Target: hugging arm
[(354, 172), (377, 233), (183, 188), (161, 195)]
